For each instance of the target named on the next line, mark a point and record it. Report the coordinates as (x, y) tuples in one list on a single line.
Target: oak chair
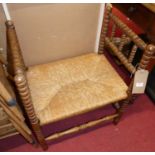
[(58, 90)]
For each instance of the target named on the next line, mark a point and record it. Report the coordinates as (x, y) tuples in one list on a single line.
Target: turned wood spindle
[(18, 69), (104, 28), (148, 54), (122, 42), (113, 31), (132, 53), (13, 45), (121, 56), (135, 38), (81, 127), (23, 89)]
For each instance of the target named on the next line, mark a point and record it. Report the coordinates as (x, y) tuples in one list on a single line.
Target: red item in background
[(127, 21), (131, 25)]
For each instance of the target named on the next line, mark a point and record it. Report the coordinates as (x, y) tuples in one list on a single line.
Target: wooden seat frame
[(17, 68)]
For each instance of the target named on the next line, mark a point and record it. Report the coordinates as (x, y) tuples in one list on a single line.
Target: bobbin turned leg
[(39, 135), (120, 111), (123, 105), (23, 89), (148, 53), (17, 69)]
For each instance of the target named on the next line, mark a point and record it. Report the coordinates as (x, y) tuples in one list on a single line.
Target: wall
[(49, 32)]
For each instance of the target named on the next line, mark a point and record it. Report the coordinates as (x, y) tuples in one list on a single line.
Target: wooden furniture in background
[(70, 87), (11, 124), (6, 127), (12, 121)]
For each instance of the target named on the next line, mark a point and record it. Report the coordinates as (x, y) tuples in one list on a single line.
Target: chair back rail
[(120, 55), (125, 29), (127, 36), (116, 45)]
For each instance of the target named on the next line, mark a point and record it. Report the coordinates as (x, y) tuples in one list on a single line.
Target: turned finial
[(109, 6), (9, 24), (150, 48), (19, 78)]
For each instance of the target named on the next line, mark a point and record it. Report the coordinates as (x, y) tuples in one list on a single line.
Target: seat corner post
[(124, 104), (146, 57), (148, 53), (104, 30), (39, 135), (24, 92)]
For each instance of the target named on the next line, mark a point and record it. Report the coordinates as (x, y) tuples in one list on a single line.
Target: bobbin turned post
[(104, 28), (17, 70), (23, 90), (14, 54), (148, 53)]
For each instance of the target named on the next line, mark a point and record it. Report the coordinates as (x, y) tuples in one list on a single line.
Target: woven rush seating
[(73, 86)]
